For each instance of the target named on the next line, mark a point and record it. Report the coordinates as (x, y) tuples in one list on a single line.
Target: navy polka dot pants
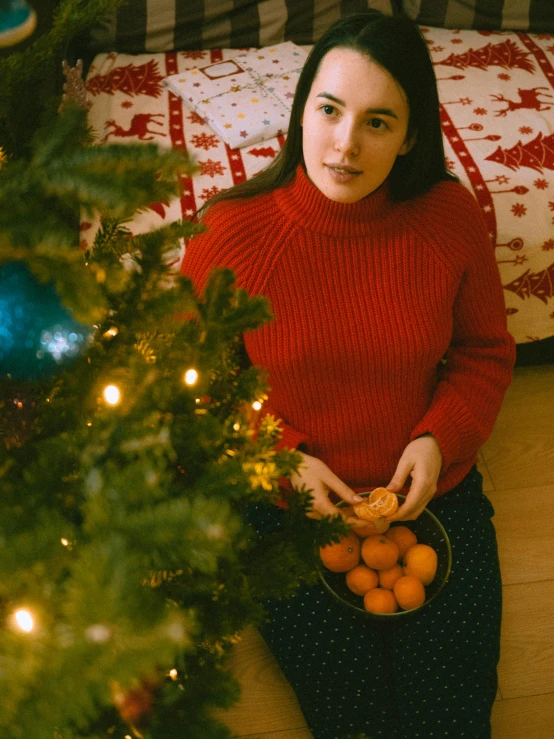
[(431, 675)]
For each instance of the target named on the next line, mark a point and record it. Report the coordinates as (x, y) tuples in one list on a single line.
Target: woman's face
[(354, 125)]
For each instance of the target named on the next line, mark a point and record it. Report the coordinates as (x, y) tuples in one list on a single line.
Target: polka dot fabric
[(430, 675)]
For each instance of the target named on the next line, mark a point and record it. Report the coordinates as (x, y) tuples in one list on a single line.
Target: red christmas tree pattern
[(506, 54), (142, 79), (537, 154), (540, 284)]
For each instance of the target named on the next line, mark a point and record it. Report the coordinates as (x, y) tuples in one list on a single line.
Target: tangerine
[(387, 578), (403, 537), (378, 552), (361, 579), (409, 592), (421, 561), (379, 600), (381, 502), (342, 555), (378, 526)]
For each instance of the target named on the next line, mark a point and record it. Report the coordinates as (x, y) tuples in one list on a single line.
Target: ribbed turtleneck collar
[(307, 206)]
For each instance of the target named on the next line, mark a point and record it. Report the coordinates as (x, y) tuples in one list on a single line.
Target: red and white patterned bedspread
[(497, 105)]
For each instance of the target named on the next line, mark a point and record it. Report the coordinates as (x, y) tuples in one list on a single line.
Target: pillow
[(172, 25), (246, 99), (484, 15)]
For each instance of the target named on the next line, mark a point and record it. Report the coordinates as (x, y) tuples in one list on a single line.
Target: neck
[(310, 208)]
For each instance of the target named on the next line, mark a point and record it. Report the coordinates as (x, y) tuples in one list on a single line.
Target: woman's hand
[(314, 475), (422, 459)]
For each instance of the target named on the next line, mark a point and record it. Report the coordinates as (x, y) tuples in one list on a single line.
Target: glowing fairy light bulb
[(257, 405), (65, 542), (112, 394), (24, 620), (191, 376), (173, 674)]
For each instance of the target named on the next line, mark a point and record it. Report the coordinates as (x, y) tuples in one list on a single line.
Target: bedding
[(496, 90)]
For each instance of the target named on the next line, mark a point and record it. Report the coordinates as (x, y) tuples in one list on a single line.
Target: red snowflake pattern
[(551, 204), (519, 210), (541, 184), (211, 168), (548, 245), (209, 192), (456, 41), (204, 141), (480, 111), (504, 76), (525, 129), (437, 49), (550, 49), (126, 104)]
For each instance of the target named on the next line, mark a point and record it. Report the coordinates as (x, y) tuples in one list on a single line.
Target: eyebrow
[(380, 111)]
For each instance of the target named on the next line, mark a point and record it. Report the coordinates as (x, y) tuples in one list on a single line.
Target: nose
[(347, 138)]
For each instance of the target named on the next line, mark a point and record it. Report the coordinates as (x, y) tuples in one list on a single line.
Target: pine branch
[(25, 76)]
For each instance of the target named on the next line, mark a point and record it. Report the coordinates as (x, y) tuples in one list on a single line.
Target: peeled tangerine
[(380, 503)]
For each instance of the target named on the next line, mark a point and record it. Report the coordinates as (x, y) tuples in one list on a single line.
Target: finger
[(404, 514), (341, 488), (323, 506), (398, 480), (414, 504)]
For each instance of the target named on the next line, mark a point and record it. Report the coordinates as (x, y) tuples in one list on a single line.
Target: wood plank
[(527, 650), (524, 524), (531, 717), (488, 484), (520, 450), (268, 703)]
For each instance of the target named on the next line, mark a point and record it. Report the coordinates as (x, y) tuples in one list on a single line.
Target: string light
[(257, 405), (191, 376), (65, 542), (173, 674), (112, 394), (24, 620), (110, 333)]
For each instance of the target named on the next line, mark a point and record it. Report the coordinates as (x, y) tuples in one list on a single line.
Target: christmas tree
[(128, 567)]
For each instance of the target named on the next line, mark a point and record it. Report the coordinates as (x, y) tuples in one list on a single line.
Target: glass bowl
[(428, 530)]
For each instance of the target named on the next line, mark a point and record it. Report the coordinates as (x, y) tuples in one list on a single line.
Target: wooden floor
[(518, 467)]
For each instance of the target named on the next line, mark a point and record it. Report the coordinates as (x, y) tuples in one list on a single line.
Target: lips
[(343, 169)]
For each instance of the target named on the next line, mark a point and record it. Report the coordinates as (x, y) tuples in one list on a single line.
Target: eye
[(328, 109), (377, 123)]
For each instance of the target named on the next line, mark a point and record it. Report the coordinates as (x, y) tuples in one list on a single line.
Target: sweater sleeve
[(478, 365), (223, 245)]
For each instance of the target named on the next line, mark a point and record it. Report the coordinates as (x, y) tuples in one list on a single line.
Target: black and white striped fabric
[(140, 26), (484, 15)]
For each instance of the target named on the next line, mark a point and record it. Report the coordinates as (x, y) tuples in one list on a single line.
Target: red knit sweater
[(368, 297)]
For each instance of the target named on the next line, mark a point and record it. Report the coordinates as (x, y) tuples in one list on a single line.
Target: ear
[(407, 146)]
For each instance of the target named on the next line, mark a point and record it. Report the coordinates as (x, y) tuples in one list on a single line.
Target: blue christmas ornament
[(38, 335)]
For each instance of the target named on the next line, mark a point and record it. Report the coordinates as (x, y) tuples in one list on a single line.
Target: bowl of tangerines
[(387, 571)]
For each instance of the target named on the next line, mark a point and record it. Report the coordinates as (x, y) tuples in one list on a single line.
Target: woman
[(388, 360)]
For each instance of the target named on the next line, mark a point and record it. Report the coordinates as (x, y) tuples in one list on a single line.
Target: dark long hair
[(397, 45)]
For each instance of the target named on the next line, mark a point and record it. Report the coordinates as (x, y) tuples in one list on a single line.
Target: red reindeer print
[(528, 98), (138, 127)]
